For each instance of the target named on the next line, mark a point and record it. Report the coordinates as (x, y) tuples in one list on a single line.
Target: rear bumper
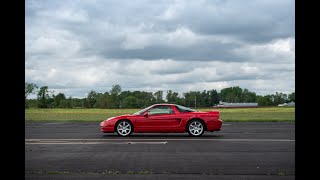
[(214, 125)]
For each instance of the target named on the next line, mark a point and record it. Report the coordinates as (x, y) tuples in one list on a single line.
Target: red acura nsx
[(164, 118)]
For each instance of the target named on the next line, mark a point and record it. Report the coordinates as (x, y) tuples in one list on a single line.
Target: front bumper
[(106, 127)]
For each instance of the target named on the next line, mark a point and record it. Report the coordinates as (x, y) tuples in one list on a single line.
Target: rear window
[(184, 109)]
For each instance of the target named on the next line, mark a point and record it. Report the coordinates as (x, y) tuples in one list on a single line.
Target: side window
[(161, 110)]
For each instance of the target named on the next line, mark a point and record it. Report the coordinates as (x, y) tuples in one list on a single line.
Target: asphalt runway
[(239, 151)]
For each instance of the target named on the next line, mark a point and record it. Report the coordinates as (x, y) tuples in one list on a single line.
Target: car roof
[(165, 104)]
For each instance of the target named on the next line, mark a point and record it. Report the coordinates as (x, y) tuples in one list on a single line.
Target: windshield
[(139, 112), (185, 109)]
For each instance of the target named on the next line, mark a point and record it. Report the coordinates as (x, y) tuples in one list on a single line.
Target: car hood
[(122, 117)]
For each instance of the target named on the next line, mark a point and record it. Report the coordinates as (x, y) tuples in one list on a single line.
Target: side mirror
[(146, 114)]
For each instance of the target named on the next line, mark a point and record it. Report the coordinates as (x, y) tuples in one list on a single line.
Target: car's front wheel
[(195, 128), (124, 128)]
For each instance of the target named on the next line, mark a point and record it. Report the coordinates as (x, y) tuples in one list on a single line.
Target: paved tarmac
[(239, 151)]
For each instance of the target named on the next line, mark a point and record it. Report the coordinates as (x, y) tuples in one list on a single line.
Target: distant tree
[(214, 97), (143, 98), (84, 103), (115, 96), (147, 98), (292, 97), (76, 102), (91, 99), (30, 88), (116, 90), (58, 98), (123, 95), (32, 103), (69, 102), (172, 97), (152, 99), (103, 100), (269, 100), (63, 104), (43, 97), (279, 98), (231, 94), (247, 96), (227, 95), (159, 96), (205, 98), (192, 98), (261, 101), (264, 100), (237, 95), (130, 102)]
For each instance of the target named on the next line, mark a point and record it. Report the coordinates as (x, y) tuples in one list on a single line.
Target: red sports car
[(164, 118)]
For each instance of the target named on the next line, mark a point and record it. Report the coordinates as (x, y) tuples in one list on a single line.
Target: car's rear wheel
[(124, 128), (195, 128)]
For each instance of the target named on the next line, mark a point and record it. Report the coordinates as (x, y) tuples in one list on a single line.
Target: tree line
[(116, 98)]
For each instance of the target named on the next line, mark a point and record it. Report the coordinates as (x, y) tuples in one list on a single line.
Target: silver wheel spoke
[(196, 128), (124, 128)]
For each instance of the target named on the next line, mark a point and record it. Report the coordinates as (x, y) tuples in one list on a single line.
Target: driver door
[(162, 118)]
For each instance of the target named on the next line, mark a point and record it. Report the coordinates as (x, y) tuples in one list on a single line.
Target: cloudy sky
[(74, 46)]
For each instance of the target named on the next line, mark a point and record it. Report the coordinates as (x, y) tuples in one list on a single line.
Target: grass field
[(268, 114)]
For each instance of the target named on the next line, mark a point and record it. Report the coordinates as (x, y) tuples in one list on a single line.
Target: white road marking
[(84, 143), (226, 124), (166, 142), (136, 141), (54, 123)]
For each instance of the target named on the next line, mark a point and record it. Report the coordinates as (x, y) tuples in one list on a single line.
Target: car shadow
[(162, 135)]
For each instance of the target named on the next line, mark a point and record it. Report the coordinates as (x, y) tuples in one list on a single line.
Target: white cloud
[(75, 46), (46, 40), (249, 69), (280, 50), (181, 37), (172, 10), (68, 15)]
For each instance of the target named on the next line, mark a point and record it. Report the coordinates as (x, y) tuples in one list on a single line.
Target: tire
[(124, 128), (195, 128)]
